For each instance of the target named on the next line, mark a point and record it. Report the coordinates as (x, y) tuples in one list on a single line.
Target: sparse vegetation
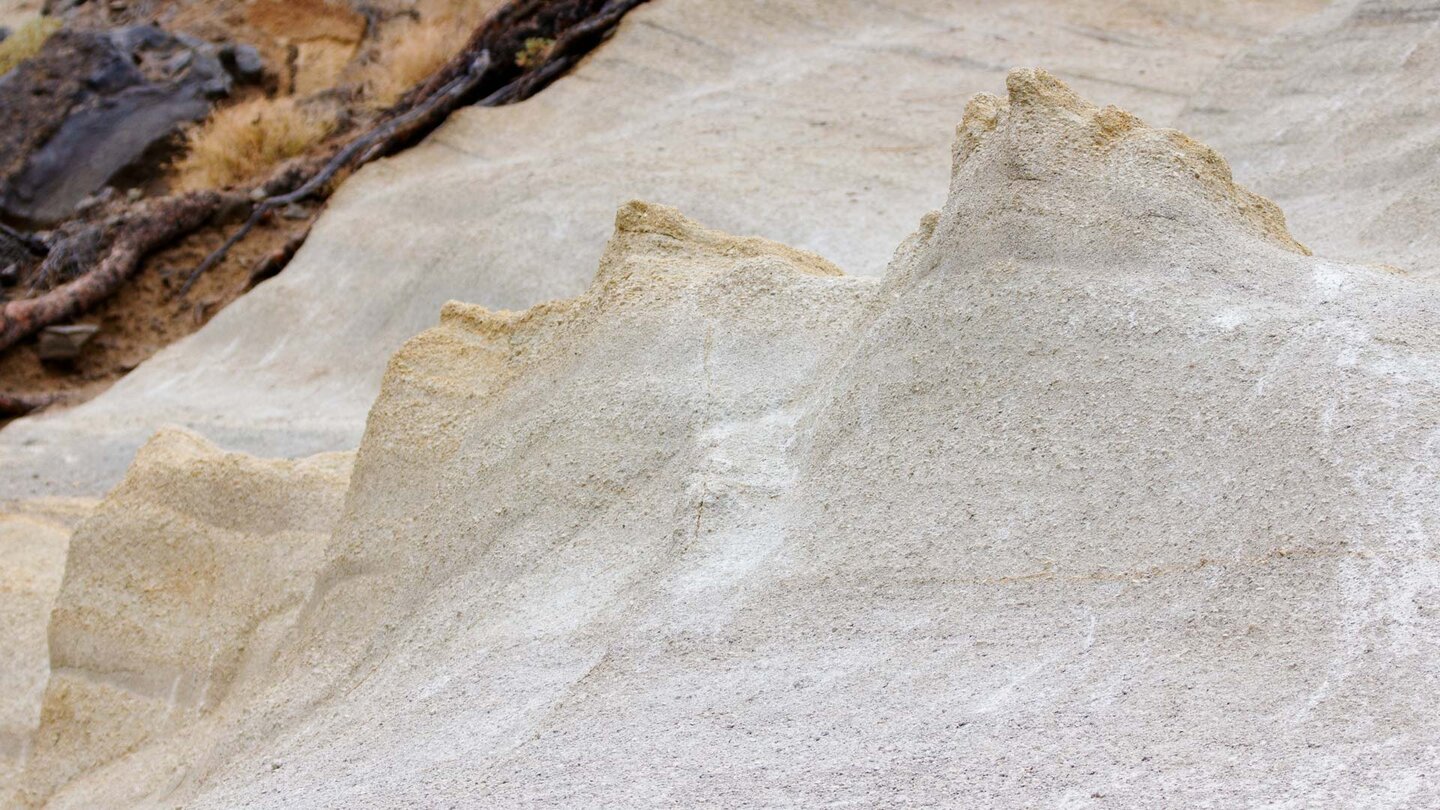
[(241, 142), (26, 41), (409, 54), (535, 52)]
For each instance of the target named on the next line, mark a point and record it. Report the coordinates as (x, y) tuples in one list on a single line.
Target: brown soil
[(146, 314), (303, 42)]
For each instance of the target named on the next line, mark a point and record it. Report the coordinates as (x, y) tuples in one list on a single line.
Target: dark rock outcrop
[(90, 106)]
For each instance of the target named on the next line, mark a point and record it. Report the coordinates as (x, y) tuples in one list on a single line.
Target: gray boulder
[(94, 107)]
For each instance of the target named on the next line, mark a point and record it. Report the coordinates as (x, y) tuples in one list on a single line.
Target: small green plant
[(26, 41), (535, 51)]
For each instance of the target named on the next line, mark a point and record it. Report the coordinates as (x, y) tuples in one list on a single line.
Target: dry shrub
[(241, 142), (409, 54), (26, 41)]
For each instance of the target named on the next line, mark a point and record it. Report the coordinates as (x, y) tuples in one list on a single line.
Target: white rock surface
[(1107, 494), (32, 559), (822, 124), (1337, 121)]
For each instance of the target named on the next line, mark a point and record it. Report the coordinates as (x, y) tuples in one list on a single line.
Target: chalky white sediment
[(1106, 494)]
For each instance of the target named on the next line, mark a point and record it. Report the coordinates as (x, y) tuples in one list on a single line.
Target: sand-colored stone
[(33, 537), (32, 559), (1105, 494), (325, 37), (181, 581), (822, 125)]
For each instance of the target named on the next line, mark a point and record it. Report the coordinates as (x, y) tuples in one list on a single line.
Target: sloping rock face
[(820, 124), (91, 104), (189, 572), (34, 536), (1106, 494), (1335, 119), (32, 559)]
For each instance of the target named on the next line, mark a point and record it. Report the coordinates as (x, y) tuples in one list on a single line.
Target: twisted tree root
[(157, 225)]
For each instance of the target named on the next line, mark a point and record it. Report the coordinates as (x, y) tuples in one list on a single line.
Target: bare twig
[(157, 224), (428, 105), (72, 249), (366, 148), (272, 263)]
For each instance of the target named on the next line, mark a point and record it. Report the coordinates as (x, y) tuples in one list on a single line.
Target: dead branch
[(273, 262), (365, 147), (425, 107), (157, 224), (509, 25), (21, 404), (574, 42), (163, 222), (35, 245)]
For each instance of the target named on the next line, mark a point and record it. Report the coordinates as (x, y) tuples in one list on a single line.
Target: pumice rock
[(1106, 489)]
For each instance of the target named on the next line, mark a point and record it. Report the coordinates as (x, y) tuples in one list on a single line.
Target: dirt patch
[(147, 314), (301, 20)]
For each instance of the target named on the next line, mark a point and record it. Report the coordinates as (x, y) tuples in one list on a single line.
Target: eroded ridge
[(1104, 457), (1105, 183)]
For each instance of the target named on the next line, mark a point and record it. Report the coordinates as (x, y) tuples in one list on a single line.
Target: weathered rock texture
[(183, 578), (821, 124), (33, 538), (91, 104), (1336, 120), (32, 558), (1106, 494)]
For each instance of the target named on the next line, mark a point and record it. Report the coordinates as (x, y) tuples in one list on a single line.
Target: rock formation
[(1107, 492), (822, 125), (185, 577), (32, 559), (94, 104), (1335, 119)]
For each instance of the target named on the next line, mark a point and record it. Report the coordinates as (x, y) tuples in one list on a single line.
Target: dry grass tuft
[(409, 54), (26, 41), (240, 142)]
